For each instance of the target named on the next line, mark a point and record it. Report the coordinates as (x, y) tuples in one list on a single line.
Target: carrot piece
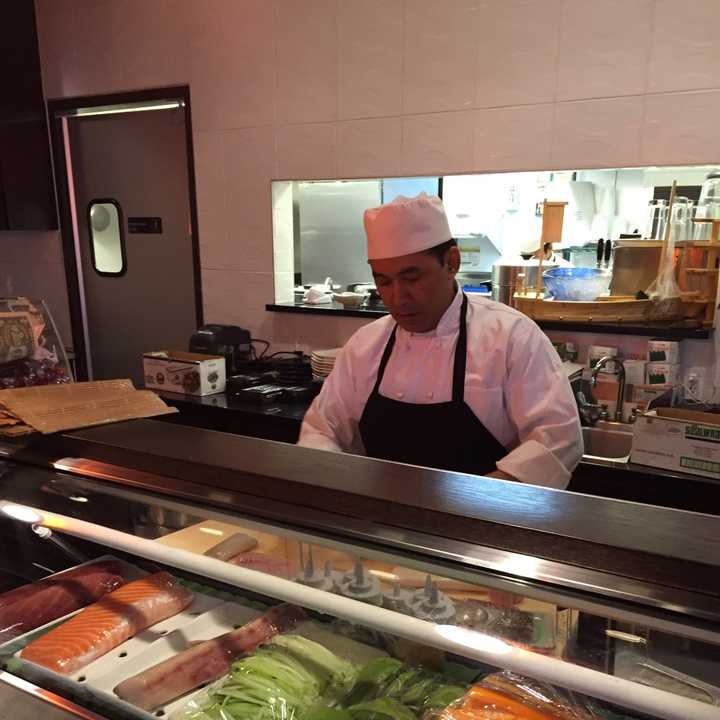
[(479, 698)]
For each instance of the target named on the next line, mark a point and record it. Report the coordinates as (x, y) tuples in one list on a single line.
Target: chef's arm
[(331, 422), (541, 405)]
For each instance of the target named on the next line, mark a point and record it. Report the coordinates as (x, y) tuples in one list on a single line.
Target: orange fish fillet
[(108, 623)]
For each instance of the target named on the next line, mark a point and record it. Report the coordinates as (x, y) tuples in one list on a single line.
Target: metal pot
[(505, 279)]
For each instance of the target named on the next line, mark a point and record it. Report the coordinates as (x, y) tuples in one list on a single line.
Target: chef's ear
[(452, 259)]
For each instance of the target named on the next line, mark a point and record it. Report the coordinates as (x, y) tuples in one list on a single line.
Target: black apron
[(447, 436)]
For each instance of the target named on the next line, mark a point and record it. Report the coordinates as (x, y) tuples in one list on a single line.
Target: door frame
[(58, 111)]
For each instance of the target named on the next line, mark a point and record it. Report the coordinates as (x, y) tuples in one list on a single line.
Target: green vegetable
[(281, 681), (381, 709), (416, 694), (443, 696), (402, 682), (319, 659), (372, 678), (324, 713)]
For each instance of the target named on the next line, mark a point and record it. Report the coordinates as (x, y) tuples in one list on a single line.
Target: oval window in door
[(107, 240)]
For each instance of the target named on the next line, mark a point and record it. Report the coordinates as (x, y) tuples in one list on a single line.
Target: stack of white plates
[(322, 362)]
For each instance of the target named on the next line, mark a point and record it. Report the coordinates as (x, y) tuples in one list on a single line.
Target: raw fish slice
[(31, 606), (108, 623), (263, 563), (205, 661), (231, 546)]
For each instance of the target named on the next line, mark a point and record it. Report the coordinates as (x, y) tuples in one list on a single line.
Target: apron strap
[(458, 394), (384, 360)]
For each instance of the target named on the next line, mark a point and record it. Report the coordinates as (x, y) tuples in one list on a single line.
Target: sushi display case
[(126, 592)]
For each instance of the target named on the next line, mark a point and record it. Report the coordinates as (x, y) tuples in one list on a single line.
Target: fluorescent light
[(473, 639), (117, 109), (22, 513), (211, 531)]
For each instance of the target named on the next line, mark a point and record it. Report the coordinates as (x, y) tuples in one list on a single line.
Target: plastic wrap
[(205, 661), (282, 680), (31, 350), (108, 623), (384, 689), (31, 606), (665, 289), (505, 696)]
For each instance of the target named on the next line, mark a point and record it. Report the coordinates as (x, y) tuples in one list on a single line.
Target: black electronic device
[(230, 341), (294, 370), (236, 383), (261, 394)]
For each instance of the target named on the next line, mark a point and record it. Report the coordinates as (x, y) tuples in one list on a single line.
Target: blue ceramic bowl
[(576, 283)]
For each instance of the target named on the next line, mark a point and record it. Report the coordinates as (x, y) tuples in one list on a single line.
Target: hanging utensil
[(608, 252), (600, 251)]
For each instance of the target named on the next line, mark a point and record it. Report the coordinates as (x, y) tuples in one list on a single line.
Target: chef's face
[(417, 289)]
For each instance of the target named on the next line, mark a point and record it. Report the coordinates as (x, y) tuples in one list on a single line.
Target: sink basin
[(608, 441)]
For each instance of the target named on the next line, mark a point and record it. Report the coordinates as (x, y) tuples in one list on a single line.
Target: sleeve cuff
[(534, 464), (318, 441)]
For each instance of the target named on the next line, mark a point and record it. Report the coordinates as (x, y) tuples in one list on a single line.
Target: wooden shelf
[(659, 244)]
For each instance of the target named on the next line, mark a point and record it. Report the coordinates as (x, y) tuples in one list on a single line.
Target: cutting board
[(202, 536)]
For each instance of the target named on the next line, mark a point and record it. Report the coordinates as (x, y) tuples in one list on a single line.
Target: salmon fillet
[(108, 623)]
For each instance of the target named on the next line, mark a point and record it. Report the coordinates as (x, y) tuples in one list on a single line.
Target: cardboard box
[(53, 408), (660, 373), (645, 394), (634, 372), (682, 440), (184, 372), (666, 351)]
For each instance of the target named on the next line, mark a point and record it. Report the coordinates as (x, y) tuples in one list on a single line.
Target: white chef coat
[(514, 383)]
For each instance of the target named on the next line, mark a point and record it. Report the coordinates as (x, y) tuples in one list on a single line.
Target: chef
[(446, 380)]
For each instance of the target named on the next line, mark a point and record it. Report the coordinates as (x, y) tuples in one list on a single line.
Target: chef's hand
[(502, 475)]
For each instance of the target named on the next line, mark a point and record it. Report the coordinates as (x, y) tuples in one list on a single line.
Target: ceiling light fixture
[(128, 108)]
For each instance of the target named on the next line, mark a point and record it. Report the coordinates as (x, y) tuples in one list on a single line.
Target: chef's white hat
[(405, 226)]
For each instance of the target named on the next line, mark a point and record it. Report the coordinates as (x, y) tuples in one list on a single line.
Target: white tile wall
[(369, 148), (437, 140), (682, 128), (237, 298), (249, 167), (226, 38), (310, 332), (307, 151), (518, 46), (605, 133), (685, 46), (514, 138), (440, 55), (370, 58), (284, 290), (320, 88), (283, 241), (210, 195), (604, 48), (306, 60)]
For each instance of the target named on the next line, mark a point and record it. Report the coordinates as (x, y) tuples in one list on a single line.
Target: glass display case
[(31, 350), (186, 596)]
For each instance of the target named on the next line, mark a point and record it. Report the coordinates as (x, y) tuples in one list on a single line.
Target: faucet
[(589, 412), (599, 365)]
